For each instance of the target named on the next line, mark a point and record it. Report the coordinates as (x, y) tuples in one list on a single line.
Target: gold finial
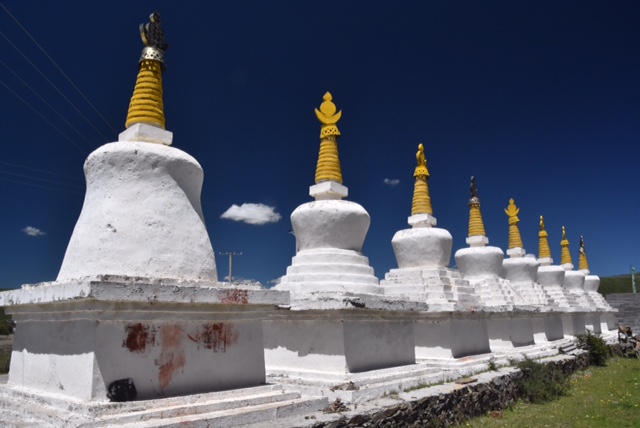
[(328, 167), (565, 257), (421, 199), (515, 239), (583, 263), (543, 242), (476, 224), (146, 104)]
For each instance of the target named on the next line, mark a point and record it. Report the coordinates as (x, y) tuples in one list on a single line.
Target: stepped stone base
[(329, 270), (441, 288), (26, 408)]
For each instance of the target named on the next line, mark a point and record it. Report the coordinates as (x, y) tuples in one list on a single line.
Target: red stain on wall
[(138, 336), (216, 336), (172, 356), (235, 297)]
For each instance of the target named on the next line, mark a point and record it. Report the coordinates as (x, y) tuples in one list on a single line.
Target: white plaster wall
[(434, 340), (371, 345), (573, 280), (591, 283), (141, 216), (470, 337), (330, 224), (554, 327), (550, 276), (422, 247), (479, 262), (520, 269), (573, 324)]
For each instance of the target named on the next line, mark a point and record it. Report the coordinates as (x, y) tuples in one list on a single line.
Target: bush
[(596, 346), (541, 382)]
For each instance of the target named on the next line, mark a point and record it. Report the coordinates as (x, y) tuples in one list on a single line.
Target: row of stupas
[(137, 315), (330, 233)]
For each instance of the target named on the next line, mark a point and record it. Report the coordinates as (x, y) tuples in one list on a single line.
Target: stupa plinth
[(137, 301), (330, 231), (521, 271), (423, 253), (481, 264)]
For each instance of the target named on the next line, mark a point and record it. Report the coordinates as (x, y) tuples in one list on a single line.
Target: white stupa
[(481, 264), (573, 283), (549, 276), (591, 282), (519, 269), (423, 253), (329, 231), (136, 302)]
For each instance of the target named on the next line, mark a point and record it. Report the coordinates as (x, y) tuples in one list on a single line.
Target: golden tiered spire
[(565, 258), (583, 263), (328, 168), (515, 239), (421, 198), (146, 103), (476, 225), (544, 252)]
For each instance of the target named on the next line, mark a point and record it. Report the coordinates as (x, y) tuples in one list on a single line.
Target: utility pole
[(230, 254), (633, 279)]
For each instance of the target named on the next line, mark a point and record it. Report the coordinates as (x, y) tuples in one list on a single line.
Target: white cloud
[(252, 214), (33, 231), (391, 181), (274, 282)]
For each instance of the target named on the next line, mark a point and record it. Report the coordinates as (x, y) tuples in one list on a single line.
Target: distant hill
[(618, 284)]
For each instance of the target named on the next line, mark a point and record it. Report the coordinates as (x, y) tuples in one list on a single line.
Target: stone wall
[(628, 305), (450, 409)]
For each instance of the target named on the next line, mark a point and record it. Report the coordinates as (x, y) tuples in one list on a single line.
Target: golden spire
[(476, 225), (421, 198), (583, 263), (515, 239), (146, 103), (544, 252), (328, 168), (565, 257)]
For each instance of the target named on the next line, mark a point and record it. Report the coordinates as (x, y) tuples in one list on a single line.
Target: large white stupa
[(329, 231), (423, 253), (521, 269), (481, 265)]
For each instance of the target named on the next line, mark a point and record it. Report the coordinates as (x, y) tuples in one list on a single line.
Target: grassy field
[(601, 397)]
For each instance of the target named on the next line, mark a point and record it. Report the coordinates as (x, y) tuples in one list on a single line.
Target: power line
[(58, 67), (38, 170), (44, 118), (48, 105), (54, 86), (38, 185), (41, 179)]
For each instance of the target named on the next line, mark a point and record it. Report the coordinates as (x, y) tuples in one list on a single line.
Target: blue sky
[(538, 99)]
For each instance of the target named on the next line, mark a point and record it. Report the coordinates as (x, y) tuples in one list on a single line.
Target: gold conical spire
[(421, 198), (515, 239), (583, 263), (328, 168), (146, 103), (544, 252), (565, 257), (476, 225)]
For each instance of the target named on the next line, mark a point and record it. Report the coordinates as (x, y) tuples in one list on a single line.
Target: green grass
[(600, 397)]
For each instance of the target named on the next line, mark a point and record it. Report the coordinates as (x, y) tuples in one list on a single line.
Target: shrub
[(596, 346), (541, 382)]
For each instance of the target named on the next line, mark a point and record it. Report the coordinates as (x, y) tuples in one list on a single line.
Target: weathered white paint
[(479, 262), (142, 132), (521, 272), (141, 216), (454, 336), (305, 346), (77, 341), (422, 247)]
